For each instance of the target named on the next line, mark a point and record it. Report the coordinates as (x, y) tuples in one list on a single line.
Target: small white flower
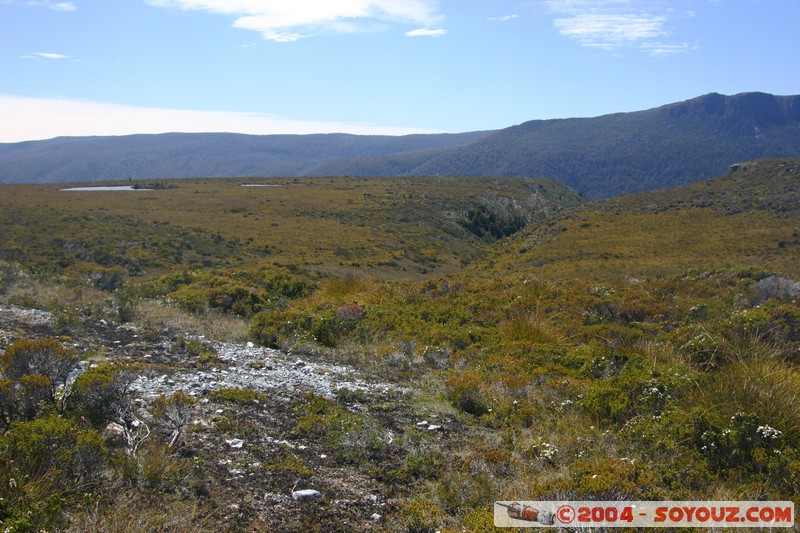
[(769, 433)]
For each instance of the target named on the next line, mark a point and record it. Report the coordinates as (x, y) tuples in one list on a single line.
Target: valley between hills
[(393, 354)]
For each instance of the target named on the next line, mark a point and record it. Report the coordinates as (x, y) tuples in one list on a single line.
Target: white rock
[(114, 432), (422, 424), (234, 443), (306, 494), (376, 517), (434, 427)]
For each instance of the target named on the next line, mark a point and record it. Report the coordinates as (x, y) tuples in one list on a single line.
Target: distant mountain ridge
[(199, 155), (599, 157), (622, 152)]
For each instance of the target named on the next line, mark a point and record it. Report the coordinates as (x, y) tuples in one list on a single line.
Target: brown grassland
[(644, 347)]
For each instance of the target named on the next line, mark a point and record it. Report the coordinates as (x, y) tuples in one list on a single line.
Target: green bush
[(204, 352), (268, 328), (242, 293), (464, 392), (417, 515), (35, 392), (40, 357), (743, 443), (240, 395), (352, 438), (49, 464), (616, 399), (101, 394), (484, 221), (325, 326)]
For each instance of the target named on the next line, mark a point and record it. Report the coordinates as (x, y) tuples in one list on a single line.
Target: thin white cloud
[(505, 18), (44, 118), (49, 55), (423, 32), (615, 24), (62, 6), (285, 21), (609, 31), (55, 6), (665, 49)]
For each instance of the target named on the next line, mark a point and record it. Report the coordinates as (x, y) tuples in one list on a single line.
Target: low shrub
[(465, 393), (55, 444), (417, 515), (204, 352), (242, 293), (38, 357), (101, 394), (352, 438)]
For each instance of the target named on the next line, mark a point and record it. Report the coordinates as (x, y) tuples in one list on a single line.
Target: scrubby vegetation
[(624, 350)]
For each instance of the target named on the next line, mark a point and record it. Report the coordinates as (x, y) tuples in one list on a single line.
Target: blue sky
[(97, 67)]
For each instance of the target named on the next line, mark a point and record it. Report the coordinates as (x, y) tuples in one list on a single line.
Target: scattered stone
[(234, 443), (376, 517), (274, 498), (422, 424), (434, 427), (306, 494), (283, 372)]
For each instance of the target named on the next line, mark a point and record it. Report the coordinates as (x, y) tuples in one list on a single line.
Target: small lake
[(111, 188)]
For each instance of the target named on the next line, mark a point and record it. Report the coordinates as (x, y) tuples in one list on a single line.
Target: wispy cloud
[(505, 18), (422, 32), (45, 55), (614, 24), (284, 21), (55, 6), (664, 49), (606, 30), (60, 6), (44, 118)]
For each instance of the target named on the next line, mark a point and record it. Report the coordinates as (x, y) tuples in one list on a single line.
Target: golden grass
[(395, 228), (756, 380), (530, 327), (214, 326), (615, 246)]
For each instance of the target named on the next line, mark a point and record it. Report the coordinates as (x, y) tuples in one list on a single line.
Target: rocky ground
[(255, 469)]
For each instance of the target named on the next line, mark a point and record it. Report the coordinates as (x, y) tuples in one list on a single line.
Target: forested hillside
[(620, 153), (187, 155)]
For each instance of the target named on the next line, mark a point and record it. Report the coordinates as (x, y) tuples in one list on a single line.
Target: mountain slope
[(619, 153), (747, 218), (176, 155)]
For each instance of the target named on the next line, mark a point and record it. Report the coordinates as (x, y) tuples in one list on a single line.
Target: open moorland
[(385, 354)]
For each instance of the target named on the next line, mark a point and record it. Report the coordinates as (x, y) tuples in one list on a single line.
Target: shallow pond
[(108, 188)]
